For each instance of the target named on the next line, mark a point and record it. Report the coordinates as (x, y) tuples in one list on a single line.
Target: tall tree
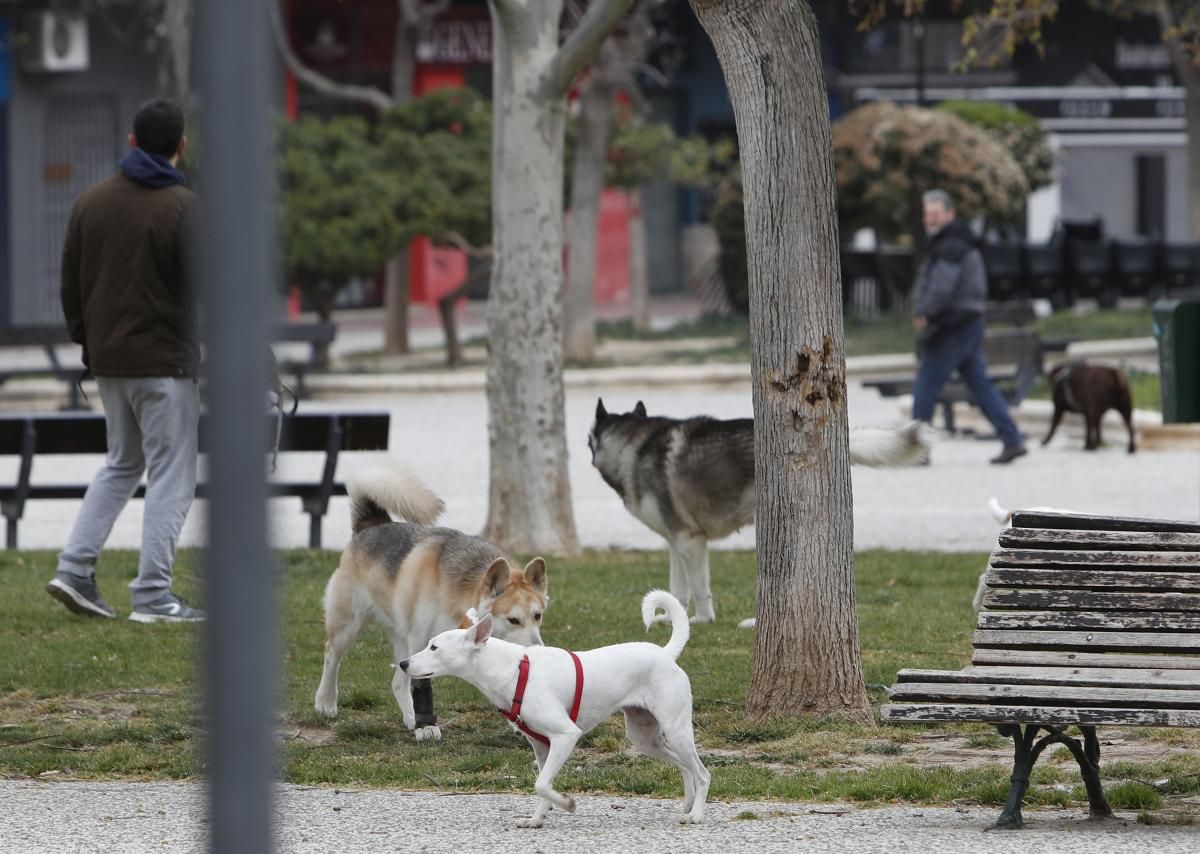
[(529, 498), (806, 654), (412, 18)]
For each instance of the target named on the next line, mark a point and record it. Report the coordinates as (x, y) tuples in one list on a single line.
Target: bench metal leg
[(314, 530), (1023, 759), (422, 694), (10, 533), (1026, 752)]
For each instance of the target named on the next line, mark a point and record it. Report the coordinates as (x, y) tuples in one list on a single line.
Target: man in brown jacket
[(127, 300)]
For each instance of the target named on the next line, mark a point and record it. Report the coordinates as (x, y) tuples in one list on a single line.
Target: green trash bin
[(1177, 328)]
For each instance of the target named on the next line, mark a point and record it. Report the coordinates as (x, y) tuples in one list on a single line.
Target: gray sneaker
[(80, 595), (168, 609)]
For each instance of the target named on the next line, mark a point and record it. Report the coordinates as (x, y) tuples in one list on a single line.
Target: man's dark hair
[(158, 127)]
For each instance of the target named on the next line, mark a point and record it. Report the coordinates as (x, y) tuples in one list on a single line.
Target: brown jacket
[(125, 288)]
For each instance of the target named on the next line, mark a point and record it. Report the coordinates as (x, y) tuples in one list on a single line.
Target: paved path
[(129, 818), (943, 506)]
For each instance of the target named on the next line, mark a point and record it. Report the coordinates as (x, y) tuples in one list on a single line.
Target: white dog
[(556, 696), (1004, 517)]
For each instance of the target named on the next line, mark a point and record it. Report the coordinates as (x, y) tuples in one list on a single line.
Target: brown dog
[(1090, 390)]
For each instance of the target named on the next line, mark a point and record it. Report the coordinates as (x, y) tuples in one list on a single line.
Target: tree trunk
[(175, 51), (639, 282), (396, 289), (395, 303), (806, 655), (1193, 151), (587, 183), (529, 499), (1187, 67)]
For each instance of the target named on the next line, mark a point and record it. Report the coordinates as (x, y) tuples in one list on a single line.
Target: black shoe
[(79, 595), (1009, 454)]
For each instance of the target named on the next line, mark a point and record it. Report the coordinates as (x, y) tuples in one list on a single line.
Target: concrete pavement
[(131, 818)]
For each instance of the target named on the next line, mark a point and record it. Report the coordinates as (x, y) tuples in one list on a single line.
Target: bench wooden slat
[(1086, 579), (1086, 522), (85, 433), (1083, 600), (1111, 620), (1114, 677), (924, 712), (1047, 658), (1097, 640), (1098, 696), (1096, 559), (1050, 538)]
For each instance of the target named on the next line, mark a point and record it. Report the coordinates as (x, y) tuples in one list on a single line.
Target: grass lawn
[(92, 699), (865, 336)]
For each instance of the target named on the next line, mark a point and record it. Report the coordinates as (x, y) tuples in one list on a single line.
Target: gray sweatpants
[(151, 425)]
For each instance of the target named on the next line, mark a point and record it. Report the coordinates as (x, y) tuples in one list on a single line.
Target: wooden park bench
[(32, 435), (1014, 358), (1087, 621), (52, 336)]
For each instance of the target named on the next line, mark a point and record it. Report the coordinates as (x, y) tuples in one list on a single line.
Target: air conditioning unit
[(55, 41)]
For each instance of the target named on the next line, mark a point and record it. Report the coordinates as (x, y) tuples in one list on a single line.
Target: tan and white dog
[(642, 680), (418, 581)]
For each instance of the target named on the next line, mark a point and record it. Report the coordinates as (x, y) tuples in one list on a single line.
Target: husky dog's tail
[(999, 513), (387, 488), (898, 446), (681, 629)]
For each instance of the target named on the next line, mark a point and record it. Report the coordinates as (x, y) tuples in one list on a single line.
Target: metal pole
[(235, 255)]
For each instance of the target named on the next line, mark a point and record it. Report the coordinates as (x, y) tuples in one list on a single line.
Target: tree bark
[(529, 498), (395, 304), (396, 281), (806, 655), (587, 183), (1188, 69), (175, 51), (639, 281)]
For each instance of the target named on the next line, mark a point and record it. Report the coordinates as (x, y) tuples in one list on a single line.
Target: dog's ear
[(535, 575), (601, 412), (496, 577), (483, 631), (640, 410)]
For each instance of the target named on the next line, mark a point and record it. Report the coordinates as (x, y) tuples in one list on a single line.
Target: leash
[(514, 714)]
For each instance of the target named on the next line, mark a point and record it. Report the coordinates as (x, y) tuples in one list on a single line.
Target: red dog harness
[(514, 714)]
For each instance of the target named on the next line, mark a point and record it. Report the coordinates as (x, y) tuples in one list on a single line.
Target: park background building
[(70, 83)]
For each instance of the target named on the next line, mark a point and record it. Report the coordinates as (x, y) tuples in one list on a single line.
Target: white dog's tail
[(681, 629), (389, 487), (999, 513), (898, 446)]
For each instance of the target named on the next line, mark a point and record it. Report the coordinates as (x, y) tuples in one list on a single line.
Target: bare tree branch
[(459, 242), (418, 13), (580, 47), (362, 94)]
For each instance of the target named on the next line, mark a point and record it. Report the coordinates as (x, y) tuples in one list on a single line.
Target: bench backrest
[(84, 433), (1067, 590)]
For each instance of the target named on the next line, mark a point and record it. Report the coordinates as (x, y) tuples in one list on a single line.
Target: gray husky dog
[(692, 480)]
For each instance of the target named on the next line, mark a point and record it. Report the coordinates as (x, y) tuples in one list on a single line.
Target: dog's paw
[(326, 708), (568, 804), (688, 818), (703, 618), (428, 733), (529, 822), (748, 623)]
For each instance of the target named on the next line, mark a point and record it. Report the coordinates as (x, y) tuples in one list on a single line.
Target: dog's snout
[(404, 665)]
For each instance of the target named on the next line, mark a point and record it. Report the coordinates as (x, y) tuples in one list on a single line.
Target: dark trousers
[(961, 350)]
